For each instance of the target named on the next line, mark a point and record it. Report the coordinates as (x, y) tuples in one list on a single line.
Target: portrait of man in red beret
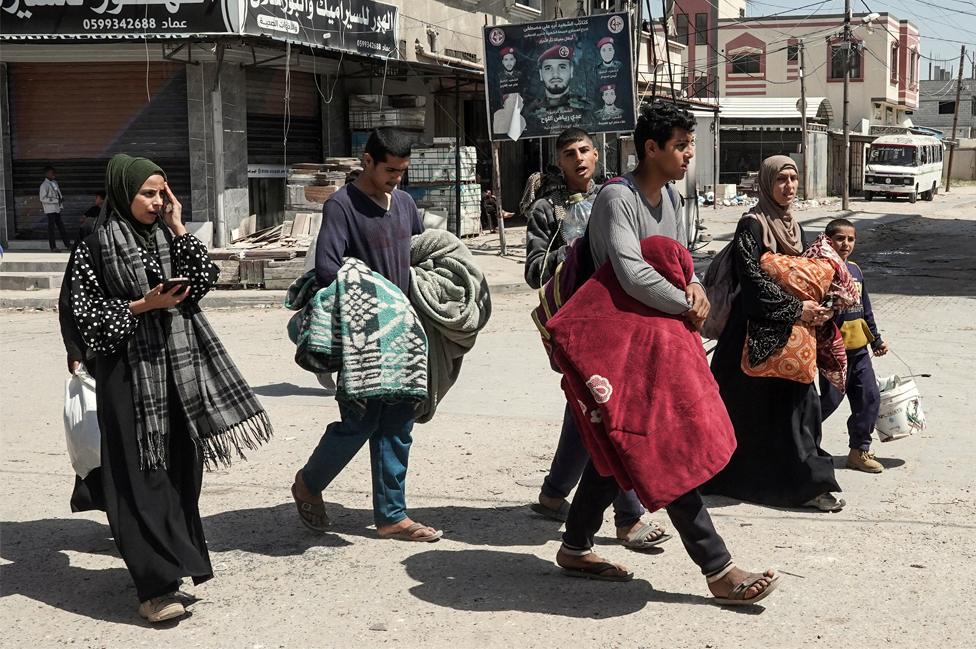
[(560, 107)]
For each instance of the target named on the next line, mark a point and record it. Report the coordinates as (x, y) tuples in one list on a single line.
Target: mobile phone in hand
[(170, 284)]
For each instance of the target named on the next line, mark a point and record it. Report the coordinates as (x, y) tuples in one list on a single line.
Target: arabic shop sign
[(360, 26), (74, 19), (542, 78)]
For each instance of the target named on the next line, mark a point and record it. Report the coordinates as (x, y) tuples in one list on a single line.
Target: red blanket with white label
[(647, 407)]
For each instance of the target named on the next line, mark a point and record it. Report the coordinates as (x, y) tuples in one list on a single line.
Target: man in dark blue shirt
[(372, 220)]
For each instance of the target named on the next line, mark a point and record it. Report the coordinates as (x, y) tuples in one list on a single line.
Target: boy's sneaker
[(160, 609), (863, 461)]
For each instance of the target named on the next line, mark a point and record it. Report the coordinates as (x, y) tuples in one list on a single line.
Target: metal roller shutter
[(266, 118), (75, 116)]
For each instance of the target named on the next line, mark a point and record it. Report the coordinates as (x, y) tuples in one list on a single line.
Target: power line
[(955, 11)]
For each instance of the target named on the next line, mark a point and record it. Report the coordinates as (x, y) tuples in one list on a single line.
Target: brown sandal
[(737, 595), (311, 514), (410, 534), (602, 571)]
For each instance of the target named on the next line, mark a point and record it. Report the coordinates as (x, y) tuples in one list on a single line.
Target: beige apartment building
[(760, 57)]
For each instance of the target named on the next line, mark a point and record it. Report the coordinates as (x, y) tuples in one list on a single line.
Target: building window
[(947, 107), (894, 63), (912, 62), (837, 61), (701, 29), (973, 109), (793, 52), (747, 63), (681, 27)]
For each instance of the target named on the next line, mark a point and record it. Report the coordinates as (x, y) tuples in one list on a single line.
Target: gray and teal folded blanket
[(451, 296), (363, 327)]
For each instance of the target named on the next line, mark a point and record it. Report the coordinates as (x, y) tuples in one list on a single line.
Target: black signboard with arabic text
[(542, 78), (360, 26), (79, 19)]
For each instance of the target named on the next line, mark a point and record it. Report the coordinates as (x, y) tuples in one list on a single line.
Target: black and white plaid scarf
[(221, 410)]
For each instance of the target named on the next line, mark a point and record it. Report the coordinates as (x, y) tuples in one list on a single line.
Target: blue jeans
[(567, 467), (863, 395), (387, 427)]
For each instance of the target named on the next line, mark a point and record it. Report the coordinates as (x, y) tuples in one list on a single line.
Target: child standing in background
[(859, 331)]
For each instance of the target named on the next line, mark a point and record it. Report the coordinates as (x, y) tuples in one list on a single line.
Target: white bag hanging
[(900, 413), (81, 423)]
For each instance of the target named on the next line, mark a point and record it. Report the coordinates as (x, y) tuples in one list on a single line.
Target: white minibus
[(903, 165)]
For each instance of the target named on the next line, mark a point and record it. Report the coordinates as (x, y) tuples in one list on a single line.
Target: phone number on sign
[(118, 23)]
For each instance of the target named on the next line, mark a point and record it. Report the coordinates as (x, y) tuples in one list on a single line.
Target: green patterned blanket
[(363, 327)]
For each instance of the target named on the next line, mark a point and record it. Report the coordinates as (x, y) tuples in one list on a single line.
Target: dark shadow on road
[(718, 502), (494, 526), (41, 571), (840, 462), (890, 462), (276, 531), (289, 390), (271, 531), (493, 581)]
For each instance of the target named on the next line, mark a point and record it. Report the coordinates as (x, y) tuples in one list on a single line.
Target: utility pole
[(846, 167), (805, 158), (955, 115), (639, 38)]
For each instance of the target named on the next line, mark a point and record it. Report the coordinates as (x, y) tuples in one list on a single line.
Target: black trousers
[(54, 219), (688, 515)]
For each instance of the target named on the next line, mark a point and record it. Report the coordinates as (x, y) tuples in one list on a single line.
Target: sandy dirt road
[(892, 570)]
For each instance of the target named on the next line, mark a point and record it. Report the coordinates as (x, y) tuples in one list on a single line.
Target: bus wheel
[(913, 197), (930, 194), (869, 196)]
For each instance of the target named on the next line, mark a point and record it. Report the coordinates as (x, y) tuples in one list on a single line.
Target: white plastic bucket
[(901, 412)]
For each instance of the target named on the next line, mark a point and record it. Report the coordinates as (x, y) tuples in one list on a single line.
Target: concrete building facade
[(761, 58), (212, 107), (695, 24), (937, 106)]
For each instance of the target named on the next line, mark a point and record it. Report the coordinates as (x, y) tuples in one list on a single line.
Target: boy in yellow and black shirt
[(859, 331)]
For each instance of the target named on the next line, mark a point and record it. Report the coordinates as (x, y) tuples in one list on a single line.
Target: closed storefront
[(75, 116), (279, 132)]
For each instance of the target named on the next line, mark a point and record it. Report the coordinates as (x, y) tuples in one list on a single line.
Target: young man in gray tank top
[(625, 213)]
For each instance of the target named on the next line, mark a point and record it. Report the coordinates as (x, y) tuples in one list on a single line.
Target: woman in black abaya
[(778, 460), (169, 397)]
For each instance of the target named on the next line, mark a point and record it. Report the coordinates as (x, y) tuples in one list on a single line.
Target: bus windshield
[(900, 156)]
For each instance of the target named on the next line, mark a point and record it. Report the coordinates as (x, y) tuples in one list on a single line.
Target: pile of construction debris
[(273, 257)]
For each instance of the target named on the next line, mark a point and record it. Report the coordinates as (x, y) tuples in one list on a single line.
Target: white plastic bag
[(900, 413), (81, 423)]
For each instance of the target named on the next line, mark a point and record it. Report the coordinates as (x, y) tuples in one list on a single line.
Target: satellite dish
[(801, 106)]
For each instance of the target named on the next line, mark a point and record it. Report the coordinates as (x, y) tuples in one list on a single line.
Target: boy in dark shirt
[(859, 330), (369, 219)]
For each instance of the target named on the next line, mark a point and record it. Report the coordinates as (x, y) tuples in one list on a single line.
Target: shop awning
[(773, 108)]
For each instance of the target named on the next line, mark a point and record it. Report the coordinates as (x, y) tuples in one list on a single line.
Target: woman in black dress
[(778, 460), (169, 397)]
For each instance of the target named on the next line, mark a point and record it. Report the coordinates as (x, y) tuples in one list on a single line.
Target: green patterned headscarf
[(124, 175)]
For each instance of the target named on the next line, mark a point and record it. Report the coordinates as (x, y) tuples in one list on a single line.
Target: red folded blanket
[(647, 407)]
